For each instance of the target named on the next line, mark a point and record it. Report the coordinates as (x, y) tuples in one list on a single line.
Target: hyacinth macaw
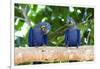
[(72, 34), (38, 35)]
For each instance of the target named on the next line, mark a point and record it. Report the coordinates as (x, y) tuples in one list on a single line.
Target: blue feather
[(37, 37), (72, 34)]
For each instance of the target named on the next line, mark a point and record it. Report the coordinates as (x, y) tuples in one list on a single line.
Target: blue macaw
[(38, 35), (72, 34)]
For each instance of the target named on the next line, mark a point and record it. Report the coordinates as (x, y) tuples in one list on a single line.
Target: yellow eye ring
[(42, 27)]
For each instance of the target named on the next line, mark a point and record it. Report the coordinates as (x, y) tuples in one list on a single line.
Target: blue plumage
[(72, 37), (38, 35), (72, 34)]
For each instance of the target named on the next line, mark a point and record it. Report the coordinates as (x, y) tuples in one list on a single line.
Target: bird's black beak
[(44, 29)]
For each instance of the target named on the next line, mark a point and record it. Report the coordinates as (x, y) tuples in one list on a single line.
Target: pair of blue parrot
[(38, 35)]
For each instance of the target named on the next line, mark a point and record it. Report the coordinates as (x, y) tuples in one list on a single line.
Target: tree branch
[(19, 18), (51, 54), (25, 16)]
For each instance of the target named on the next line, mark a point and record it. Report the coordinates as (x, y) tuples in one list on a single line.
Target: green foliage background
[(56, 16)]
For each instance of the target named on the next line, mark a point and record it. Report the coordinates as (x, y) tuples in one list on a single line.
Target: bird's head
[(45, 27), (70, 22)]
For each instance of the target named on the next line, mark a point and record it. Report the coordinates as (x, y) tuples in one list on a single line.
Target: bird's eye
[(42, 27), (46, 24)]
